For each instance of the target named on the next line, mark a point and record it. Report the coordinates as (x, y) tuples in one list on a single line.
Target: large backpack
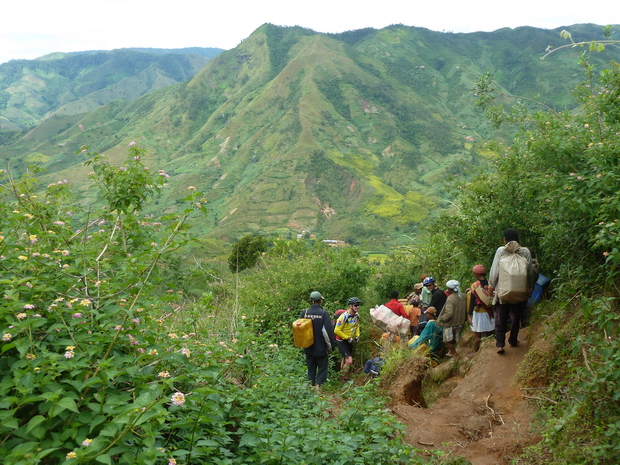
[(512, 282)]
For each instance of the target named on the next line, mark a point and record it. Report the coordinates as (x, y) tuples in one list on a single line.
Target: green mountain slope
[(350, 136), (69, 83)]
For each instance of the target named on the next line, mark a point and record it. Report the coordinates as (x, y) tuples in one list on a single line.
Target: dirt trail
[(485, 418)]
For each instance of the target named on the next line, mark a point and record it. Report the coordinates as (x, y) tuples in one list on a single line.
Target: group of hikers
[(436, 317)]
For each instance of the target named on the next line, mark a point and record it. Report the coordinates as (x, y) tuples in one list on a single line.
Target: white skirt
[(482, 323)]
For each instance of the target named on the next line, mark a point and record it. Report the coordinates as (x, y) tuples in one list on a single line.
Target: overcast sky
[(32, 28)]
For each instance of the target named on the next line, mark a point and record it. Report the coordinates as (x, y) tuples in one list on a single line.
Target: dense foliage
[(97, 367), (276, 293), (245, 252), (557, 183)]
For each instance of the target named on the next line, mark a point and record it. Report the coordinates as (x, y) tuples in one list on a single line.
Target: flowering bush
[(95, 368), (79, 349)]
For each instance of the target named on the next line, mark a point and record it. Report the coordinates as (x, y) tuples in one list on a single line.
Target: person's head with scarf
[(454, 286)]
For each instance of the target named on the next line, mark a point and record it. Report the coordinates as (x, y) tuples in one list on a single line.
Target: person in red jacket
[(396, 306)]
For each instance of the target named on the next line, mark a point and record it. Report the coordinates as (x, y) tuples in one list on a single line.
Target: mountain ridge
[(70, 83), (294, 130)]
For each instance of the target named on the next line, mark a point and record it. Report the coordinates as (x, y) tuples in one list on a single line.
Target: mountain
[(69, 83), (350, 136)]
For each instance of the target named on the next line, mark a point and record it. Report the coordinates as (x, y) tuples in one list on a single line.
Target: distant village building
[(335, 242)]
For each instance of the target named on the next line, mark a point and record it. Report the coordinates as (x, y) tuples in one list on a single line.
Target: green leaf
[(34, 421), (6, 347), (11, 423), (91, 381), (249, 440), (105, 458), (207, 443), (68, 403)]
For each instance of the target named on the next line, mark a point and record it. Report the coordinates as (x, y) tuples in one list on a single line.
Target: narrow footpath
[(485, 418)]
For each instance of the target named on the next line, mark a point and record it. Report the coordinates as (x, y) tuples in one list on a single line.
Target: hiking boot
[(500, 350)]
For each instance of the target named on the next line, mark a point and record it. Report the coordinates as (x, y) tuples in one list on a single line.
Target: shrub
[(96, 367), (79, 354), (276, 293)]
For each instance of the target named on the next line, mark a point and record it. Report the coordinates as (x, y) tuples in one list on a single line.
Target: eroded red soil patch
[(485, 418)]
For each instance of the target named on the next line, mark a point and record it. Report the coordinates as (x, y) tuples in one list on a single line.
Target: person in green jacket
[(432, 335)]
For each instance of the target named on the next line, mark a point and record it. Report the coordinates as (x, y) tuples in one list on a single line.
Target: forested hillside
[(32, 91), (351, 136)]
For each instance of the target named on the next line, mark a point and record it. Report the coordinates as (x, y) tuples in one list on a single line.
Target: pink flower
[(21, 316), (7, 336), (86, 442), (178, 398), (132, 143), (28, 306), (76, 315)]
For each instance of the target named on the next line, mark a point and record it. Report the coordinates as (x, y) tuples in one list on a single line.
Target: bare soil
[(482, 414)]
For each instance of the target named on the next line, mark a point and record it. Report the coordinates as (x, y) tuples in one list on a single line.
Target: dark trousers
[(502, 312), (315, 364)]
